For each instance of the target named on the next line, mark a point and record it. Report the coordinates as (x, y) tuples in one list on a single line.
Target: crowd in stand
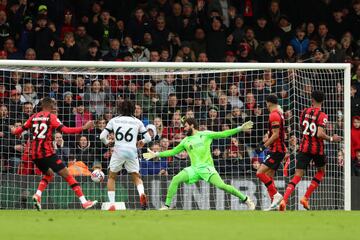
[(180, 31)]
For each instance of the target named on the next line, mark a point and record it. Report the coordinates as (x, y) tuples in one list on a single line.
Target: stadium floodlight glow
[(291, 81)]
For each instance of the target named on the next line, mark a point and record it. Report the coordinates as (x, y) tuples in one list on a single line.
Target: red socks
[(291, 187), (269, 183), (314, 183), (74, 185), (44, 182)]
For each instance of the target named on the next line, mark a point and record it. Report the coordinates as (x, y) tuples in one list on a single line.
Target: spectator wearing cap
[(198, 45), (319, 56), (5, 28), (152, 132), (186, 53), (230, 56), (285, 29), (104, 30), (44, 39), (336, 55), (300, 42), (26, 35), (213, 121), (83, 40), (69, 50), (142, 54), (216, 41), (263, 31), (311, 48)]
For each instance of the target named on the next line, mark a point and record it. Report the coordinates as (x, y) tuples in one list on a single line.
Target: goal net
[(220, 96)]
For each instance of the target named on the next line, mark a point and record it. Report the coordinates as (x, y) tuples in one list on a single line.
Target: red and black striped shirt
[(276, 120), (42, 126), (310, 119)]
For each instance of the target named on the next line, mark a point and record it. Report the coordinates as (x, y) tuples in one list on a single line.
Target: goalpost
[(219, 95)]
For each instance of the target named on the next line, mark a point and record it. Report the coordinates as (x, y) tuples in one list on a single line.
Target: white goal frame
[(246, 66)]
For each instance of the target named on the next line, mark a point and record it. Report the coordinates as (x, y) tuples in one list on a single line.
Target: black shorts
[(274, 159), (303, 160), (52, 162)]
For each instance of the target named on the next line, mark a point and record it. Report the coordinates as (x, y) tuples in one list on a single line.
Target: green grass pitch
[(186, 225)]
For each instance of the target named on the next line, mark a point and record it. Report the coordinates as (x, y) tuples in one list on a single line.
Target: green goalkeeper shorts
[(199, 173)]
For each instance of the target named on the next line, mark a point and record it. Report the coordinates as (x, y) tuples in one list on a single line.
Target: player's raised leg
[(111, 189), (264, 173), (216, 180), (179, 178), (75, 186), (140, 188)]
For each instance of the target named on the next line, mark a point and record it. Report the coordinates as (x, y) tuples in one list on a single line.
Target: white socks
[(38, 192), (111, 195), (140, 189), (82, 199)]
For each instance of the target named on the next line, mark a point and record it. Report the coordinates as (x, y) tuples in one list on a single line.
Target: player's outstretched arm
[(17, 131), (322, 134), (75, 130), (172, 152), (227, 133)]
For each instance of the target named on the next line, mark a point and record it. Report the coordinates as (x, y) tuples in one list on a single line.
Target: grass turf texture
[(214, 225)]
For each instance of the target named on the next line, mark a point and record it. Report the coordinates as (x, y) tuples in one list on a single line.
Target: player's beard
[(189, 132)]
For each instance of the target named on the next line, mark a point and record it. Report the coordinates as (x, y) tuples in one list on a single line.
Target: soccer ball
[(97, 175)]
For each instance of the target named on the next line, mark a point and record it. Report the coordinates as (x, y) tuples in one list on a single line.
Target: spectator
[(235, 119), (14, 103), (356, 164), (216, 41), (96, 98), (115, 52), (83, 41), (202, 57), (263, 31), (44, 39), (84, 151), (269, 53), (82, 115), (165, 88), (336, 55), (300, 42), (104, 30), (62, 151), (234, 97), (175, 127), (12, 52), (5, 28), (198, 45), (274, 12), (138, 25), (319, 56), (213, 121), (139, 115), (338, 25), (186, 53), (30, 54), (355, 102), (149, 100), (27, 110), (158, 122), (250, 40), (323, 32), (29, 94), (93, 53), (290, 55), (66, 109), (161, 35), (355, 136), (285, 29), (224, 106)]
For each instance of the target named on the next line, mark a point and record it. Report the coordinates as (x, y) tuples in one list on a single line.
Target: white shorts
[(119, 160)]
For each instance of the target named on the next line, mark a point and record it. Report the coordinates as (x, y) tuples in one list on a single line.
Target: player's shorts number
[(310, 128), (120, 136), (42, 127)]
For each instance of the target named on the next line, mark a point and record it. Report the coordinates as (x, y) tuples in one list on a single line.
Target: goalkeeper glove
[(260, 148), (150, 154), (246, 126)]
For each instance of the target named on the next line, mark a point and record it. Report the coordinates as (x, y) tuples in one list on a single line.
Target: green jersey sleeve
[(223, 134), (178, 149)]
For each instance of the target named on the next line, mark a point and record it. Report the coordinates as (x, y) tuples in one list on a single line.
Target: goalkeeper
[(197, 144)]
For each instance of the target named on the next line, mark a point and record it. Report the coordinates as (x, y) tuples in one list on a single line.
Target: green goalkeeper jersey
[(198, 146)]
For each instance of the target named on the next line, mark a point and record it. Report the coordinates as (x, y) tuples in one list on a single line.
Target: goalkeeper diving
[(198, 145)]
